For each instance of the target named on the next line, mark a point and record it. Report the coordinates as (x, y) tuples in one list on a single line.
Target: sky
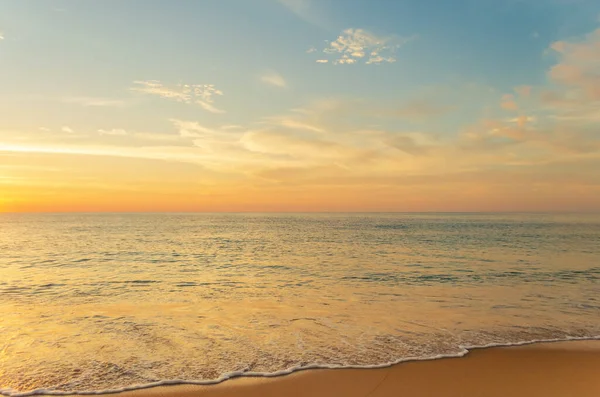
[(299, 105)]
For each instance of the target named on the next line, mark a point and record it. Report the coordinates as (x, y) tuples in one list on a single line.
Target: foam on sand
[(465, 350)]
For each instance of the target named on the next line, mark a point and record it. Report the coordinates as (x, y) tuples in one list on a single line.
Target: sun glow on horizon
[(393, 117)]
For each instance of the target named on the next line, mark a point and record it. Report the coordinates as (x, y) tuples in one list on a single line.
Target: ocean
[(101, 302)]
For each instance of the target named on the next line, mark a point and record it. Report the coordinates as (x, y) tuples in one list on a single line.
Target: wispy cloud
[(96, 101), (418, 110), (305, 10), (209, 107), (522, 121), (273, 78), (114, 132), (198, 94), (578, 67), (192, 129), (508, 102), (231, 127), (359, 45), (574, 93), (67, 129), (529, 135), (1, 35), (523, 90), (293, 123), (205, 137)]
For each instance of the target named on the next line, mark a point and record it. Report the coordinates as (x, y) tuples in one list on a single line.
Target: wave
[(464, 350)]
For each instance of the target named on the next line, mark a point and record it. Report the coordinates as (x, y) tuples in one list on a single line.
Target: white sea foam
[(464, 350)]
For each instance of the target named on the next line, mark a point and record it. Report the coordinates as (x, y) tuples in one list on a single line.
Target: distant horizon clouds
[(301, 105)]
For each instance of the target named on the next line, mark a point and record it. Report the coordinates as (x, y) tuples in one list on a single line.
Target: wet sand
[(561, 369)]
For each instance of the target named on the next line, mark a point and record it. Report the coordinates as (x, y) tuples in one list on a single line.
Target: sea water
[(99, 302)]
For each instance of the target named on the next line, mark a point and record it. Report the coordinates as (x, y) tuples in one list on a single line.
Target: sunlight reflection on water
[(103, 301)]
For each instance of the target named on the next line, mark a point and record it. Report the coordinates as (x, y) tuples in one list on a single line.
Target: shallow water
[(98, 302)]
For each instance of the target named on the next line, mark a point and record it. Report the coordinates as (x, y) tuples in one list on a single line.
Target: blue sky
[(80, 74)]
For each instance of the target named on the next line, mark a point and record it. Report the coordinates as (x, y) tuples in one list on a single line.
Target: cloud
[(114, 132), (355, 45), (508, 102), (198, 94), (412, 143), (342, 148), (579, 66), (315, 117), (418, 110), (209, 107), (1, 35), (574, 93), (299, 146), (273, 78), (292, 123), (45, 129), (523, 90), (214, 140), (322, 61), (96, 101), (232, 127), (192, 129), (311, 50), (305, 10), (521, 121), (67, 129)]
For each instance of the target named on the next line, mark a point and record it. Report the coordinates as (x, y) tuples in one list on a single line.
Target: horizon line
[(297, 212)]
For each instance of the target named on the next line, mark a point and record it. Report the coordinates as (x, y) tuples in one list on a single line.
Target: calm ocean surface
[(97, 302)]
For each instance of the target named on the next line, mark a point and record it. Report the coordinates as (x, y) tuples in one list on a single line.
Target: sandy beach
[(560, 369)]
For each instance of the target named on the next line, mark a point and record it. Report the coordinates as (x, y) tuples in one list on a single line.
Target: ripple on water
[(104, 302)]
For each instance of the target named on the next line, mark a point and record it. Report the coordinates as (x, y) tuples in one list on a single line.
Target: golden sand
[(562, 369)]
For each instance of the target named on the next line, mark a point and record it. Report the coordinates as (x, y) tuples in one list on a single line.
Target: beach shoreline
[(551, 369), (540, 369)]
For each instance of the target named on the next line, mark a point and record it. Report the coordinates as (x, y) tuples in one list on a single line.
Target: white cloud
[(345, 60), (198, 94), (191, 129), (114, 131), (377, 59), (208, 107), (358, 44), (274, 78), (322, 60), (311, 50), (154, 87), (1, 36), (67, 129)]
